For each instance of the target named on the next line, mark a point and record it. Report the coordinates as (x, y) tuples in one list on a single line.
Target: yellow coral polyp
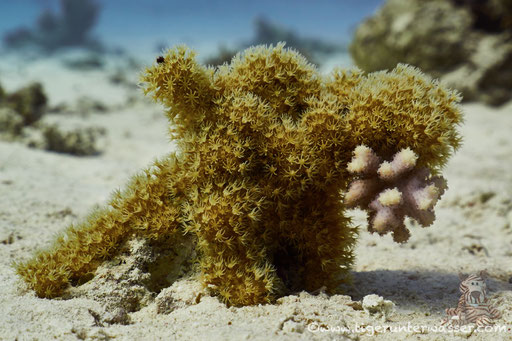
[(260, 172)]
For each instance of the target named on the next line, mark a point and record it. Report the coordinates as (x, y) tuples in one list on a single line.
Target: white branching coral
[(391, 190)]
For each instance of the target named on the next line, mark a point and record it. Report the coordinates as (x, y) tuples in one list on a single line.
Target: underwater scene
[(259, 170)]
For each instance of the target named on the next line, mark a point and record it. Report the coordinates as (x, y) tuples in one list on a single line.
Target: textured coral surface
[(260, 171), (393, 190)]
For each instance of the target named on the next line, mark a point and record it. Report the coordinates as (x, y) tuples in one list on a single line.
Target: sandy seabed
[(41, 193)]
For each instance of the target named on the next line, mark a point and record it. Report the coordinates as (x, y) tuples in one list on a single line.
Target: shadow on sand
[(432, 291)]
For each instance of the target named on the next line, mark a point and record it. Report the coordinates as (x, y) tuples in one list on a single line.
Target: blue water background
[(141, 26)]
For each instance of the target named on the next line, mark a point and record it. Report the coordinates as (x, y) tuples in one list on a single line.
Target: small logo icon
[(474, 306)]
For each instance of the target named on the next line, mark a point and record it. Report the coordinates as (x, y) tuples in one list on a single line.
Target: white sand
[(41, 193)]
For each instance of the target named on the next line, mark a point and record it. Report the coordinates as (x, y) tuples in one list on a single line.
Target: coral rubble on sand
[(21, 114)]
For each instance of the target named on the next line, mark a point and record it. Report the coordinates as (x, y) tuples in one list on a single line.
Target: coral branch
[(365, 161), (404, 161), (397, 189)]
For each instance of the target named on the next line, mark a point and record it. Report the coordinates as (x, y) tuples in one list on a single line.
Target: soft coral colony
[(267, 150)]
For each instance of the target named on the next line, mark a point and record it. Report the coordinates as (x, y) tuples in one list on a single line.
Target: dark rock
[(29, 102), (70, 28), (466, 43)]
